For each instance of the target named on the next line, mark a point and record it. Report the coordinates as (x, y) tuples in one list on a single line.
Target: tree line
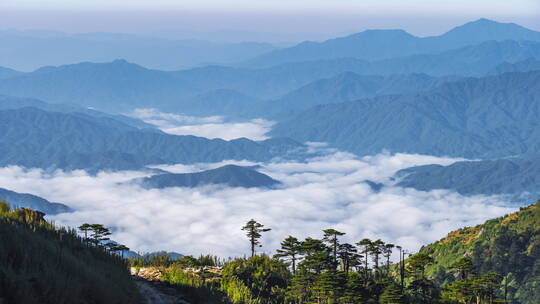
[(327, 270)]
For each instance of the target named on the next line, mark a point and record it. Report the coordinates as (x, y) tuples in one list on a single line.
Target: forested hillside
[(496, 262), (487, 117), (508, 246), (32, 137), (43, 264)]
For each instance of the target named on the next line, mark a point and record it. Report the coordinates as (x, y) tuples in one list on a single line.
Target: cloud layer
[(209, 127), (323, 192)]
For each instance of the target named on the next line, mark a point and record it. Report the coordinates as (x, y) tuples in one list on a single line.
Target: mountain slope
[(8, 73), (509, 245), (350, 86), (517, 177), (229, 175), (11, 103), (531, 64), (114, 86), (383, 44), (474, 118), (38, 261), (34, 138), (31, 201)]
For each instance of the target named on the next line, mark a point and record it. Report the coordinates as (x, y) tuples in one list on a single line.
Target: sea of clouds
[(323, 192), (209, 127)]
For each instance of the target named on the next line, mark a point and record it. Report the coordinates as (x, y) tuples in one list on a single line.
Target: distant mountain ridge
[(121, 86), (530, 64), (347, 87), (8, 73), (32, 137), (517, 177), (157, 53), (488, 117), (229, 175), (33, 202), (383, 44)]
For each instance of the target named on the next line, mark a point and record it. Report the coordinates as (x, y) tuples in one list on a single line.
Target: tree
[(463, 267), (253, 231), (120, 248), (387, 253), (348, 255), (98, 234), (331, 237), (392, 294), (316, 255), (85, 228), (290, 247), (265, 278), (366, 244), (422, 289)]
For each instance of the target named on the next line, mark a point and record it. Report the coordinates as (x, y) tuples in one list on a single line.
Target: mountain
[(18, 50), (229, 175), (33, 202), (8, 73), (350, 86), (11, 103), (38, 260), (509, 246), (384, 44), (516, 177), (487, 117), (218, 102), (120, 86), (530, 64), (116, 86), (32, 137)]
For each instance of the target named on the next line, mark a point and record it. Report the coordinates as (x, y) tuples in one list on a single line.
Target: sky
[(285, 20)]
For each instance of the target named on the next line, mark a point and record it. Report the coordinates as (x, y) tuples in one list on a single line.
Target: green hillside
[(43, 264), (509, 246)]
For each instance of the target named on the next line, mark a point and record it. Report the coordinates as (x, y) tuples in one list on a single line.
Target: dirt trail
[(156, 293)]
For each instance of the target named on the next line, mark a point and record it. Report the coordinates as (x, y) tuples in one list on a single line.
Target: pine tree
[(392, 294), (290, 248), (331, 237), (253, 231)]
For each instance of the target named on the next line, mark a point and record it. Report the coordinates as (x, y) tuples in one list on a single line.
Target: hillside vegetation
[(508, 246), (40, 263)]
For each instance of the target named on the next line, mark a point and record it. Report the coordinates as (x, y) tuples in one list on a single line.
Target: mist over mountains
[(345, 116), (494, 116), (384, 44)]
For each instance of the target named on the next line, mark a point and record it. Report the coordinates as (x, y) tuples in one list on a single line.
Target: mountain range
[(26, 200), (121, 86), (31, 137), (229, 175), (56, 48), (383, 44), (348, 86), (518, 177), (487, 117)]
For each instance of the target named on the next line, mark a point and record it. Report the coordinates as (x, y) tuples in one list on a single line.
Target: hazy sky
[(311, 18)]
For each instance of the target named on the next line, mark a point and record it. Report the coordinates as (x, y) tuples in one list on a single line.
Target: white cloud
[(209, 127), (317, 194)]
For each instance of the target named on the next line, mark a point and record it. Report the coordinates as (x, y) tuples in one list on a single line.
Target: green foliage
[(196, 288), (253, 232), (508, 246), (40, 263), (266, 280)]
